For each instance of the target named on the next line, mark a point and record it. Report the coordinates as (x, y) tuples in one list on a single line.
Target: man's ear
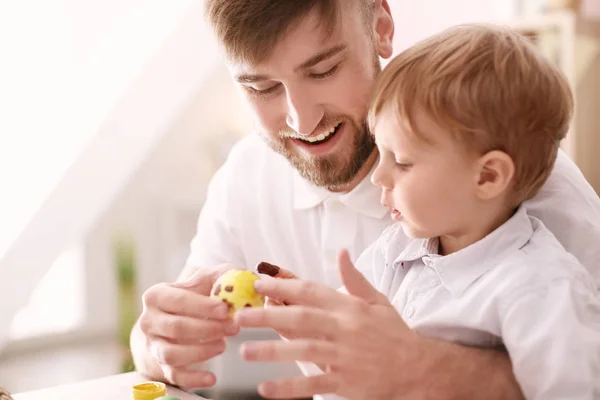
[(384, 28), (494, 174)]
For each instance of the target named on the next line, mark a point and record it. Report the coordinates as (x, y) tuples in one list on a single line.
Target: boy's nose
[(378, 177)]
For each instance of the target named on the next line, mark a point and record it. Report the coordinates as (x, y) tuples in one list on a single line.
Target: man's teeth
[(319, 137)]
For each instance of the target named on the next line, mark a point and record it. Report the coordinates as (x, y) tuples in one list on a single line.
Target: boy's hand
[(359, 340), (274, 271)]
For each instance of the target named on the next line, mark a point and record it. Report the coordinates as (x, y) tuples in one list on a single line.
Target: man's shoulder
[(567, 183), (570, 208)]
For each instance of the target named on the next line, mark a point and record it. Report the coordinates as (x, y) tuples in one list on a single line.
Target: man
[(298, 192)]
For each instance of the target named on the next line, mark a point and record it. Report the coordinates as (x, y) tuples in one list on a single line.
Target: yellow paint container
[(149, 390)]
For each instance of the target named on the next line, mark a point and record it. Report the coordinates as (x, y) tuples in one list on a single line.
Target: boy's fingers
[(274, 271), (271, 302)]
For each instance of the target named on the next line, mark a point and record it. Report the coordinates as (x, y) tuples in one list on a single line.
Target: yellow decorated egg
[(236, 288)]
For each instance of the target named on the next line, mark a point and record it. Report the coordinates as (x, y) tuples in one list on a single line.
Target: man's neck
[(362, 173)]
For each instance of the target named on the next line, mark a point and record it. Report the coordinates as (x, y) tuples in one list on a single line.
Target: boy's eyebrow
[(311, 62)]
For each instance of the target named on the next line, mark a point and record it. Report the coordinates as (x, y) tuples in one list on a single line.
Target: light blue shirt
[(517, 287)]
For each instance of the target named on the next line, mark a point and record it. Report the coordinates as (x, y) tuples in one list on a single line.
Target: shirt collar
[(364, 198), (418, 249), (307, 195), (459, 270)]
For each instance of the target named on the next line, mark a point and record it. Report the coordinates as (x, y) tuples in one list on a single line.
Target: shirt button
[(410, 311)]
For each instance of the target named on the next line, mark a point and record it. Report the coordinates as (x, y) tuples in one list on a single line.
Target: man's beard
[(333, 171)]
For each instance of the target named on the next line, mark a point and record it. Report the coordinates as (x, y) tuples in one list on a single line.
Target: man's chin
[(329, 172)]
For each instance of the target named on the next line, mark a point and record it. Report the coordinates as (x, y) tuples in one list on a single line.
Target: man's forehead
[(306, 38)]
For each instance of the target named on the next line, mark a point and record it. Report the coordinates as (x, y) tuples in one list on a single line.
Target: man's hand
[(181, 326), (368, 350)]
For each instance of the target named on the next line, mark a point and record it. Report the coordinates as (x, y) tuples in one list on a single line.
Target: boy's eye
[(403, 166), (326, 74)]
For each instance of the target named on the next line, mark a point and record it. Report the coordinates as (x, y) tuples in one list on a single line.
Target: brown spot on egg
[(229, 288), (228, 303), (217, 290)]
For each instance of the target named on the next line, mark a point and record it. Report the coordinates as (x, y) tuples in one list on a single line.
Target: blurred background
[(114, 115)]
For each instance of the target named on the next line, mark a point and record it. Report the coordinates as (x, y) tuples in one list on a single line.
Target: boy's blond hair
[(491, 88), (248, 30)]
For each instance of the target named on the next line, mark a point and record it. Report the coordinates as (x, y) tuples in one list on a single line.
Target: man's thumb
[(355, 282)]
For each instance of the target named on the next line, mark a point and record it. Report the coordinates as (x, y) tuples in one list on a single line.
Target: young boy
[(468, 125)]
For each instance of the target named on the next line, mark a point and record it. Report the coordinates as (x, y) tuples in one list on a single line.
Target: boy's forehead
[(393, 129)]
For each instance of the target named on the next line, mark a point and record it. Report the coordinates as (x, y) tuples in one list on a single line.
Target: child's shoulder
[(543, 251), (541, 262)]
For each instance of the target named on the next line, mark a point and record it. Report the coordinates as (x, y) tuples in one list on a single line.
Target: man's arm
[(570, 208), (144, 362), (181, 326), (178, 327), (458, 372)]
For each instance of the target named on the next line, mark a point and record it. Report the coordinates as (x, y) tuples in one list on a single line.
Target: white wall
[(591, 9), (415, 20)]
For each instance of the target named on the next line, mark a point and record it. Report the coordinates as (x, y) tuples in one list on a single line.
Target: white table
[(116, 387)]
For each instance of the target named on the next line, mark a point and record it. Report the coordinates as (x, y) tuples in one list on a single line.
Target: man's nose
[(304, 113)]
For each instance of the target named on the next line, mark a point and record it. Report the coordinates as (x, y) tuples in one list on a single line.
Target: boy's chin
[(413, 232)]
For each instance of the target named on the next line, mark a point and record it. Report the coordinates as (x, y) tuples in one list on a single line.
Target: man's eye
[(262, 92), (327, 73)]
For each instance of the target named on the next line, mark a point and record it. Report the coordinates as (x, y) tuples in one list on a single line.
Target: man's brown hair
[(491, 89), (249, 29)]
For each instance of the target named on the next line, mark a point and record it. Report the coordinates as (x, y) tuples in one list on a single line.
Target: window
[(58, 304)]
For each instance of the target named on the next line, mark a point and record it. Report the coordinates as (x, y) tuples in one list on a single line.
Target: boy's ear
[(384, 28), (495, 172)]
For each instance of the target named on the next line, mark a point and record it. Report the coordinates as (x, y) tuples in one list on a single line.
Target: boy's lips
[(396, 215)]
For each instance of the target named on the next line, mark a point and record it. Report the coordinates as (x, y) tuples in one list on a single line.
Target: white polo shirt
[(517, 287), (258, 208)]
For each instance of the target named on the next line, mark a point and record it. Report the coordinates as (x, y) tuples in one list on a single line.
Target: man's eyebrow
[(249, 78), (322, 56)]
